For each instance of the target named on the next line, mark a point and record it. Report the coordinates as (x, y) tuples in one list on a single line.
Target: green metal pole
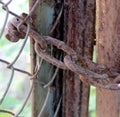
[(42, 17)]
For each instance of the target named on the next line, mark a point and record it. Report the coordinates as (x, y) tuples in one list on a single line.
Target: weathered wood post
[(108, 53), (79, 28)]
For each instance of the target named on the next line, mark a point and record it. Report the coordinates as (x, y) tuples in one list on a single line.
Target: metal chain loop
[(95, 74)]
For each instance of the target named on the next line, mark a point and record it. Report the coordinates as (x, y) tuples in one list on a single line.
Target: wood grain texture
[(79, 17), (108, 53)]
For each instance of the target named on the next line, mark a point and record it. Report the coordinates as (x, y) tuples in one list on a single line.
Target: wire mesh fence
[(5, 93), (12, 35), (20, 28)]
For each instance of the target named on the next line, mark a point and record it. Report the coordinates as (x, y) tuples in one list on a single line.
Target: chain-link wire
[(20, 27), (13, 34), (6, 18)]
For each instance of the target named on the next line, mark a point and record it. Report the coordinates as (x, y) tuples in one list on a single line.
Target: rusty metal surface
[(43, 17), (96, 74)]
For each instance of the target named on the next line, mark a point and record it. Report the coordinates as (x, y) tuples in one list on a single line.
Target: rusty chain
[(95, 74), (21, 26)]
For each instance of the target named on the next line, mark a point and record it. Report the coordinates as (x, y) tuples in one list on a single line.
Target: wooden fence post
[(79, 28), (108, 53)]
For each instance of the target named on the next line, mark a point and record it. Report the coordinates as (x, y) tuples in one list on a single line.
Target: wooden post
[(42, 17), (108, 53), (79, 20)]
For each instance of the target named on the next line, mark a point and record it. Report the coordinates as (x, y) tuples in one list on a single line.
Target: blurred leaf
[(4, 42), (10, 102), (92, 91), (92, 101), (26, 111), (92, 114), (5, 115), (94, 55)]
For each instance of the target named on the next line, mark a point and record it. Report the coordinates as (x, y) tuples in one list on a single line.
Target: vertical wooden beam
[(79, 20), (42, 17), (108, 53)]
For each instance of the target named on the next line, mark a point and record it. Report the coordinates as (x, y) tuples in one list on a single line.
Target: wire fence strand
[(6, 18), (11, 33), (8, 86)]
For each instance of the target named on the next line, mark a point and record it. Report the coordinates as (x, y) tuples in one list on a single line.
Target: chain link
[(95, 74)]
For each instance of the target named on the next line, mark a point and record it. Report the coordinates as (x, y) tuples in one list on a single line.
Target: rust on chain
[(78, 69), (98, 80), (60, 45), (97, 75), (49, 58), (10, 34)]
